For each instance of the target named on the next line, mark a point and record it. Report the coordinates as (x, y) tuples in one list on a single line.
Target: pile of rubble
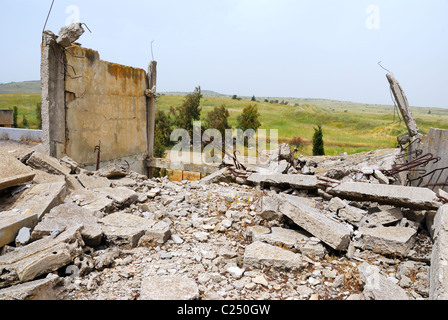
[(308, 228)]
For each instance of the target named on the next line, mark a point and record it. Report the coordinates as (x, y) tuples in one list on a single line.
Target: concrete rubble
[(343, 233)]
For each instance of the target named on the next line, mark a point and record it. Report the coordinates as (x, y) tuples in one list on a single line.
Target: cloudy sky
[(276, 48)]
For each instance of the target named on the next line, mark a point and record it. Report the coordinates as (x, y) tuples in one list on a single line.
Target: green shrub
[(318, 142)]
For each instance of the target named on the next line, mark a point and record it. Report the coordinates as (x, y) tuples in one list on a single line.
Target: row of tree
[(183, 117)]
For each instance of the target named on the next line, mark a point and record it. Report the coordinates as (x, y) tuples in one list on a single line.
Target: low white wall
[(20, 134)]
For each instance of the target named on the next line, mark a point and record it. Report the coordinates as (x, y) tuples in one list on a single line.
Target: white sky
[(284, 48)]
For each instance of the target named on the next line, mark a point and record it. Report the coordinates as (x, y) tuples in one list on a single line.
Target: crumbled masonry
[(117, 234)]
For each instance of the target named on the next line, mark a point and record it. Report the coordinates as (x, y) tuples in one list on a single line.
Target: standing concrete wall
[(105, 102), (88, 102)]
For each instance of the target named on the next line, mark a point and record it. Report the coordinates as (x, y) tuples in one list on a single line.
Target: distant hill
[(25, 87)]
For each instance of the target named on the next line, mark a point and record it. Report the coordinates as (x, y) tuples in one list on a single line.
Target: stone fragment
[(40, 257), (13, 172), (400, 196), (113, 171), (303, 212), (122, 196), (377, 286), (41, 198), (335, 204), (38, 290), (352, 215), (169, 288), (23, 237), (386, 240), (382, 216), (260, 254), (235, 272), (72, 165), (92, 201), (69, 34), (12, 222), (160, 232), (439, 257), (68, 215), (93, 182), (381, 177)]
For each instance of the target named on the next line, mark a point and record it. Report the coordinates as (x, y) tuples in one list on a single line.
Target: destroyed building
[(78, 224)]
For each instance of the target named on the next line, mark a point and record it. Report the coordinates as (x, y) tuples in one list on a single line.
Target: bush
[(297, 142), (162, 133), (39, 115), (218, 119), (15, 114), (318, 142)]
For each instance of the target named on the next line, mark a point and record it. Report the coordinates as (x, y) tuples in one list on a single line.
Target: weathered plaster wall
[(104, 102), (6, 117)]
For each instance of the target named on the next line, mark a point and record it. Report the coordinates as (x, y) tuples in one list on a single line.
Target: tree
[(218, 119), (318, 142), (249, 118), (25, 123), (189, 111), (253, 99)]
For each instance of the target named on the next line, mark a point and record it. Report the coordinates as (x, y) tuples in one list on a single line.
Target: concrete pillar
[(53, 95)]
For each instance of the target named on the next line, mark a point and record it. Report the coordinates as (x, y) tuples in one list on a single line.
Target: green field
[(348, 127)]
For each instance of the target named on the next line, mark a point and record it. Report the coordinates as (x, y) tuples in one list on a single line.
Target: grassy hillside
[(26, 87), (348, 127)]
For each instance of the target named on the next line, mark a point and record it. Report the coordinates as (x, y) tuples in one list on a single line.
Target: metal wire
[(48, 16)]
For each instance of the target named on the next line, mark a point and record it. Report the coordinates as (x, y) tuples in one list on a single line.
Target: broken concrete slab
[(286, 237), (439, 257), (93, 182), (377, 286), (304, 213), (160, 232), (41, 198), (68, 215), (13, 172), (298, 181), (69, 34), (169, 288), (11, 223), (39, 290), (409, 197), (40, 257), (386, 240), (215, 176), (92, 201), (125, 230), (43, 162), (259, 254), (381, 216)]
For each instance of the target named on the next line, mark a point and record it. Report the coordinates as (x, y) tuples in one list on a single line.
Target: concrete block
[(386, 240), (352, 215), (41, 198), (40, 257), (260, 254), (12, 222), (125, 230), (160, 232), (92, 201), (438, 289), (401, 196), (335, 204), (191, 176), (267, 207), (298, 181), (69, 34), (13, 172), (113, 171), (169, 288), (68, 215), (304, 213)]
